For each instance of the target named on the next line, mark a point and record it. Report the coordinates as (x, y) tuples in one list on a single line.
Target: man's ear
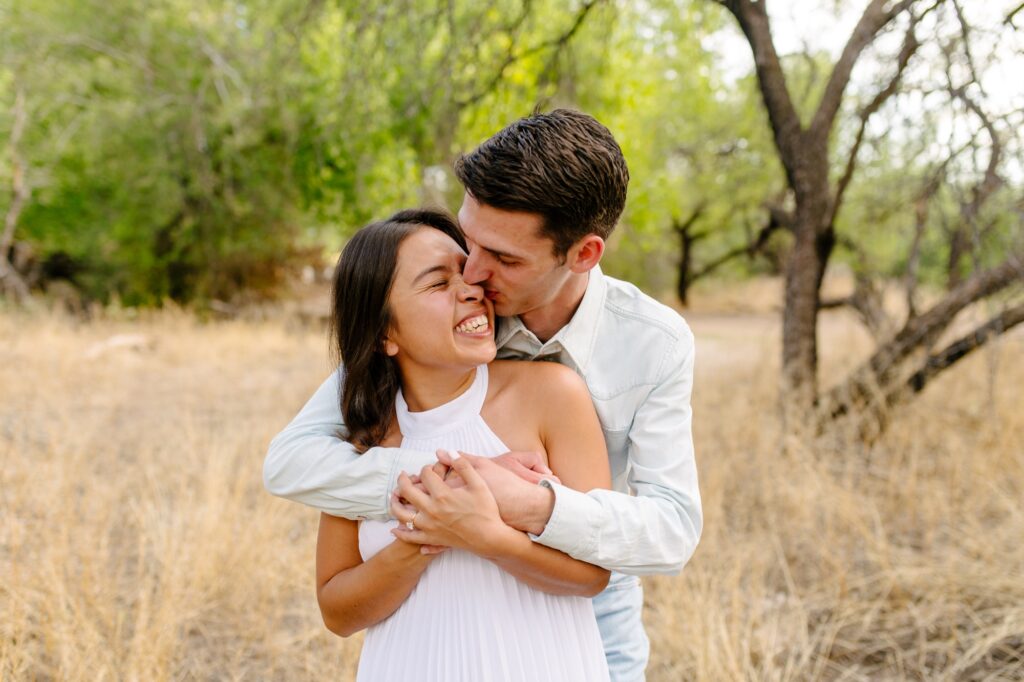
[(586, 253)]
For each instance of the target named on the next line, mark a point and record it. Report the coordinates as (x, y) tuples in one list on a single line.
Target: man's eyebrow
[(431, 270), (500, 254)]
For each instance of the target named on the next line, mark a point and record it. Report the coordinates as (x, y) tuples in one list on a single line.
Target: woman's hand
[(466, 517)]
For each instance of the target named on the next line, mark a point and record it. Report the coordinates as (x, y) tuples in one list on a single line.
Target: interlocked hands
[(465, 501)]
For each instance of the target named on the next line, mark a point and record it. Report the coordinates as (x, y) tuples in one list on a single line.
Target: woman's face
[(438, 321)]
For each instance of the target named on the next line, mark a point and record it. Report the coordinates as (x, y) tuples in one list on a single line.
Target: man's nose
[(474, 272)]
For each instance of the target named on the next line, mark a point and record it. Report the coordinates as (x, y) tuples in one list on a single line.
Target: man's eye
[(503, 261), (438, 285)]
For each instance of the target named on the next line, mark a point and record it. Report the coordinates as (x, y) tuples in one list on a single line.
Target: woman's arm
[(354, 594), (468, 518)]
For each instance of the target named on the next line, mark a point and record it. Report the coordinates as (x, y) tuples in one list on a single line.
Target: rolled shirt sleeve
[(309, 462), (657, 530)]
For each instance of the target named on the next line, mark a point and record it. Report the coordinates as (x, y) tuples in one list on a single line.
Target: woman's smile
[(475, 325)]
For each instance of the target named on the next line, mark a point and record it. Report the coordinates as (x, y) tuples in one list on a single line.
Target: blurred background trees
[(199, 151), (203, 152)]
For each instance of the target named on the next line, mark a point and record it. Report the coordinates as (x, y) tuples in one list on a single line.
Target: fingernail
[(454, 455)]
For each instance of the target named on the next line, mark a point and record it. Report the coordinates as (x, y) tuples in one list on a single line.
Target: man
[(542, 196)]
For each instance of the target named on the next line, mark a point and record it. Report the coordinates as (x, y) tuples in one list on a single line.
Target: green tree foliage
[(172, 174), (195, 151)]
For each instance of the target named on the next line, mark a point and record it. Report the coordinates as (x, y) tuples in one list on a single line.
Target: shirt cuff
[(574, 524), (409, 461)]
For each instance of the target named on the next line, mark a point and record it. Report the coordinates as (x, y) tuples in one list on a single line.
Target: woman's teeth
[(473, 325)]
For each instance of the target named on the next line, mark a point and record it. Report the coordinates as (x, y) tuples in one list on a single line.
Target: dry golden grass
[(137, 542)]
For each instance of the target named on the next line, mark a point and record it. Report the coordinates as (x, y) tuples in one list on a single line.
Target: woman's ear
[(390, 348)]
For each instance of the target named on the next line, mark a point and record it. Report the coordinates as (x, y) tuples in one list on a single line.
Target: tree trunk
[(686, 241), (805, 270)]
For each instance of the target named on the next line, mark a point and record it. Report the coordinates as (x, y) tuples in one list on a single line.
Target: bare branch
[(749, 249), (990, 182), (959, 349), (753, 21), (510, 55), (875, 17), (559, 43), (685, 226), (910, 46), (873, 406), (965, 31), (877, 377), (1014, 12)]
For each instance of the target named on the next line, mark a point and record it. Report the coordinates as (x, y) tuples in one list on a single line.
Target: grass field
[(137, 542)]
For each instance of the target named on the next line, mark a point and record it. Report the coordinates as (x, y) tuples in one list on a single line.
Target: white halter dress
[(467, 620)]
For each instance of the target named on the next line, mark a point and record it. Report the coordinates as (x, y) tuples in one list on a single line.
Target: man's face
[(508, 257)]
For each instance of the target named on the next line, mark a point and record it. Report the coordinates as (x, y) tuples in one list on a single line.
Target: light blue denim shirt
[(636, 356)]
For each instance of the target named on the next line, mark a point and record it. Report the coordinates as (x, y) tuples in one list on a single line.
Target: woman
[(415, 341)]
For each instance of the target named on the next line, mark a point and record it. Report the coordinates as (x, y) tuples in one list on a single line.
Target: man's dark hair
[(563, 165), (361, 318)]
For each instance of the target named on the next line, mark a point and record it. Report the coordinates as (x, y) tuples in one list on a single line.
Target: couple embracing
[(487, 518)]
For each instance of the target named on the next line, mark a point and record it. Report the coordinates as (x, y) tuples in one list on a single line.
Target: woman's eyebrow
[(431, 270)]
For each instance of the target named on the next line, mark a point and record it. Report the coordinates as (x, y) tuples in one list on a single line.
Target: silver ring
[(410, 524)]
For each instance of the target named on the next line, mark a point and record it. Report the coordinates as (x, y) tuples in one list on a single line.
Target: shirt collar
[(579, 335)]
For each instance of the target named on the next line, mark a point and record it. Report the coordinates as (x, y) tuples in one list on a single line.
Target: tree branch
[(749, 249), (512, 57), (1014, 12), (965, 31), (991, 180), (875, 17), (785, 122), (684, 227), (875, 378), (958, 350), (910, 46)]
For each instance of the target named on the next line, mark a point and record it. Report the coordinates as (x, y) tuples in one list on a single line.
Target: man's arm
[(308, 462), (657, 530)]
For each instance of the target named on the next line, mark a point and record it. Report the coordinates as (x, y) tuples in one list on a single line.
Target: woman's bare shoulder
[(538, 380)]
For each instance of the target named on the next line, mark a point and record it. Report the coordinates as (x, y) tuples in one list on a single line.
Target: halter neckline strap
[(446, 417)]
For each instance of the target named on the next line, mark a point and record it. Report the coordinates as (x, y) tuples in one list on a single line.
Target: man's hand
[(465, 517), (523, 504), (529, 466)]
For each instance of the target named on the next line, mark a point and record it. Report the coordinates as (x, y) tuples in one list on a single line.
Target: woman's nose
[(470, 292)]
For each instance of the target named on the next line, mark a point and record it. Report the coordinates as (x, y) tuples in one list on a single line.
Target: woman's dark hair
[(361, 318), (563, 165)]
